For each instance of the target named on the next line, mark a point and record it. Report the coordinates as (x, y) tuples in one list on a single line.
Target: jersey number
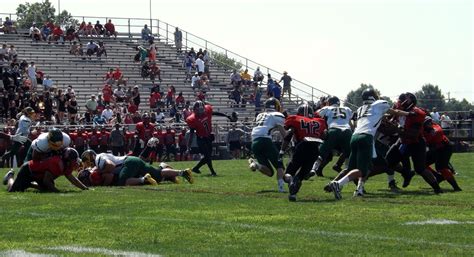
[(338, 113), (363, 111), (310, 127)]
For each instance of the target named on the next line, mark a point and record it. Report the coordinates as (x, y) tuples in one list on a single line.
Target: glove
[(19, 138)]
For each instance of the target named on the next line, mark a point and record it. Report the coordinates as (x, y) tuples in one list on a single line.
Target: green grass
[(239, 213)]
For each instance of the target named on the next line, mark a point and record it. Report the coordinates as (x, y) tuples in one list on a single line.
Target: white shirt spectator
[(160, 117), (445, 121), (435, 116), (32, 71), (107, 113), (194, 81), (47, 83), (200, 64)]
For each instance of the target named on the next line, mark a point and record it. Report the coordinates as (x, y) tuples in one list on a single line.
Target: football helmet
[(305, 110), (334, 100), (369, 94), (55, 139), (71, 155), (198, 107), (272, 104), (88, 158), (407, 101)]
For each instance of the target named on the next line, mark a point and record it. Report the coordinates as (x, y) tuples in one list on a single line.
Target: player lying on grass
[(306, 132), (40, 174), (128, 170), (264, 150)]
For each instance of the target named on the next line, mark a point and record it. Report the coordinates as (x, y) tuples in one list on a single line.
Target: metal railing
[(301, 91)]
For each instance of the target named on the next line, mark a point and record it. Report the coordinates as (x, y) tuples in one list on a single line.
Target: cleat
[(457, 189), (438, 191), (310, 174), (292, 198), (336, 190), (337, 168), (358, 194), (150, 180), (188, 175), (295, 186), (213, 174), (197, 171), (393, 186), (407, 179), (252, 164), (327, 188), (8, 176)]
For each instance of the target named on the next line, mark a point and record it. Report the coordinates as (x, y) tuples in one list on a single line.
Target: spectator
[(155, 97), (107, 113), (72, 109), (132, 108), (109, 77), (446, 123), (246, 78), (100, 103), (4, 52), (201, 96), (119, 95), (32, 74), (61, 105), (200, 65), (146, 33), (170, 96), (74, 50), (258, 75), (12, 54), (141, 55), (152, 51), (234, 141), (160, 116), (35, 33), (235, 95), (110, 29), (187, 110), (188, 65), (459, 116), (107, 94), (91, 48), (145, 70), (8, 26), (99, 28), (435, 115), (48, 83), (155, 71), (69, 92), (118, 77), (117, 140), (89, 30), (178, 39), (235, 78), (286, 85), (136, 96), (192, 53), (276, 91), (91, 108), (180, 100), (101, 50), (71, 34), (45, 32), (57, 35), (99, 120), (82, 29)]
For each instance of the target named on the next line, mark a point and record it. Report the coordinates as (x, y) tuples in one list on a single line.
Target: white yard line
[(104, 251), (438, 222), (22, 253)]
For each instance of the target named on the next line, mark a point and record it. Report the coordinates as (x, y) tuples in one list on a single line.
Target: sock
[(344, 180), (390, 178), (317, 163), (360, 186), (281, 183)]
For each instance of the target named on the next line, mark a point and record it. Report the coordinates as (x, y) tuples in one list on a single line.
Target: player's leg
[(259, 148), (418, 156), (22, 181), (442, 165)]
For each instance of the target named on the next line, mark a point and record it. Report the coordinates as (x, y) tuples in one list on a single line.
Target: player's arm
[(48, 181), (286, 140), (76, 182), (232, 118), (398, 113)]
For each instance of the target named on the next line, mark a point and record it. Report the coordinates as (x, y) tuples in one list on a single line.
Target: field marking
[(22, 253), (105, 251), (438, 222)]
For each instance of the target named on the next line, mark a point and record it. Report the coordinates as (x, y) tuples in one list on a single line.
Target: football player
[(440, 151), (21, 136), (200, 122), (40, 174), (411, 142), (130, 170), (369, 117), (307, 132), (339, 134), (264, 150), (47, 144)]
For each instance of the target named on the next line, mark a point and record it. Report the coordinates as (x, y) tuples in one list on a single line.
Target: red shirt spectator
[(180, 100), (58, 31), (201, 96), (109, 26), (107, 93), (132, 108), (155, 97), (117, 74)]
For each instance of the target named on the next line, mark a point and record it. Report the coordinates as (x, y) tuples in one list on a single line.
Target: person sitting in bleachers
[(35, 33), (99, 28), (91, 48), (71, 34), (12, 54), (82, 29), (118, 77), (89, 30), (8, 26), (145, 70), (101, 50), (76, 49), (57, 35), (119, 95), (155, 71), (45, 32), (4, 52), (110, 29)]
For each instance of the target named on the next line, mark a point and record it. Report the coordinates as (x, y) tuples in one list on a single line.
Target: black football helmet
[(369, 94), (88, 158), (272, 103), (406, 101), (55, 139), (198, 107), (71, 155), (305, 110), (334, 100)]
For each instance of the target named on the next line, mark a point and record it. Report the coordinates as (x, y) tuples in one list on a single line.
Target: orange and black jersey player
[(307, 131), (200, 122)]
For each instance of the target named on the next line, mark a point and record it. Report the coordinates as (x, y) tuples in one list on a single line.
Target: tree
[(430, 96), (355, 97), (456, 106), (224, 60), (41, 12)]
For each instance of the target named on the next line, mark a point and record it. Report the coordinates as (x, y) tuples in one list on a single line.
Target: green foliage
[(239, 213), (41, 12), (224, 60), (455, 106), (430, 96)]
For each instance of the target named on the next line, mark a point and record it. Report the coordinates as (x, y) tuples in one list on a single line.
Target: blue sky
[(334, 45)]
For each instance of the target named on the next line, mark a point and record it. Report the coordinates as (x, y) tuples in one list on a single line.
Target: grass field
[(239, 213)]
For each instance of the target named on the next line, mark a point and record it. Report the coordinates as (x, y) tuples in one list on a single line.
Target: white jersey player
[(54, 140), (265, 152)]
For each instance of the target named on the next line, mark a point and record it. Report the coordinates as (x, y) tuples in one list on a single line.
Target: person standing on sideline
[(435, 115)]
